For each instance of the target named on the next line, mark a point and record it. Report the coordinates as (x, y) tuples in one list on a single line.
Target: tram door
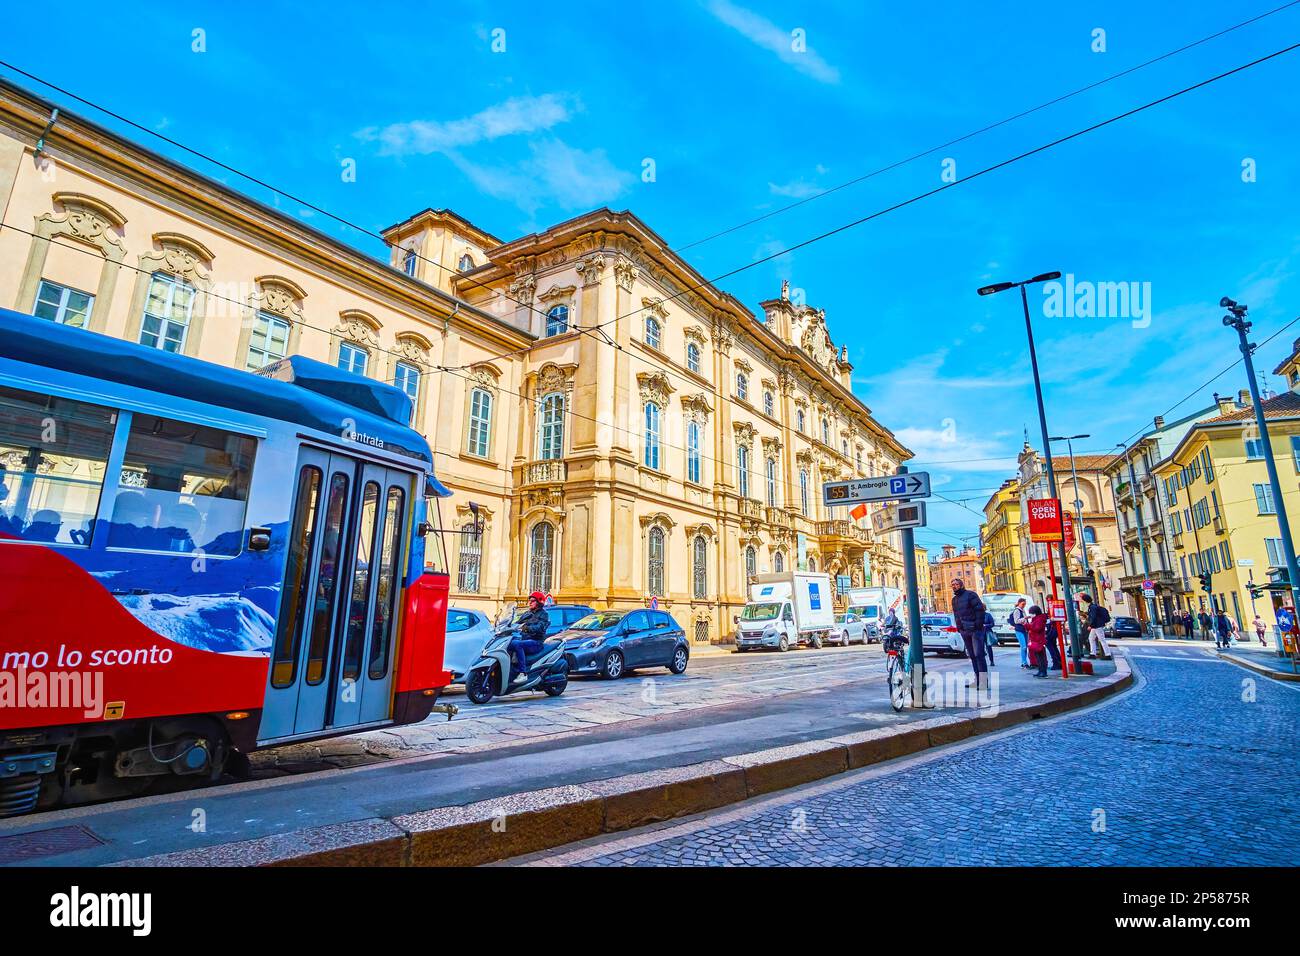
[(332, 660)]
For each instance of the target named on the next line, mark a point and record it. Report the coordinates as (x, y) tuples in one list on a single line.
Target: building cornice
[(112, 158)]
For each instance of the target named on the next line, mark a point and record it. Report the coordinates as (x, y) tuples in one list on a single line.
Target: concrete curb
[(522, 823), (1260, 668)]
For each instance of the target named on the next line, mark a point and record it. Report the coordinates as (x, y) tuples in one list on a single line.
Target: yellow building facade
[(1222, 510), (1000, 539), (626, 429)]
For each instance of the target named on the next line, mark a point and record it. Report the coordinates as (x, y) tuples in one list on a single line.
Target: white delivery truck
[(1000, 604), (785, 610), (872, 606)]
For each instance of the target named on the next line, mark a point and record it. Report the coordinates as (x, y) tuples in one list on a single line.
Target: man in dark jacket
[(532, 626), (1207, 625), (968, 614), (1222, 631)]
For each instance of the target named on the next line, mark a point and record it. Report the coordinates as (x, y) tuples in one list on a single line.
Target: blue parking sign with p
[(897, 486)]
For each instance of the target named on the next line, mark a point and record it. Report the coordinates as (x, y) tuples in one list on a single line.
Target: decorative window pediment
[(183, 257), (279, 295), (413, 347), (696, 407), (745, 432), (359, 327), (693, 333), (485, 375), (558, 293), (659, 519), (654, 387)]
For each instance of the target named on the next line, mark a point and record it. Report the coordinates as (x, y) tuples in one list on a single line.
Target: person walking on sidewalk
[(1097, 618), (968, 614), (1018, 621), (1036, 639), (1207, 625), (1259, 629)]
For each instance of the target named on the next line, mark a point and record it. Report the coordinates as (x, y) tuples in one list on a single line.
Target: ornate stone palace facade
[(626, 429)]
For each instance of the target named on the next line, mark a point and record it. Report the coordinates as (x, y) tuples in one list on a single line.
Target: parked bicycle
[(898, 669)]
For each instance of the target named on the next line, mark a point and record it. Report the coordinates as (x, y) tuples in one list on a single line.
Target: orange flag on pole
[(860, 512)]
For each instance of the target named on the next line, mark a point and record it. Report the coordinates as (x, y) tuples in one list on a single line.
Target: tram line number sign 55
[(882, 488)]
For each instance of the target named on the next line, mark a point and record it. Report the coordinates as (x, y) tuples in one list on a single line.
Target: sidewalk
[(477, 807), (1263, 660)]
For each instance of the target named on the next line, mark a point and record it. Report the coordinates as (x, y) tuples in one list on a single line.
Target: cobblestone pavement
[(709, 681), (1196, 767)]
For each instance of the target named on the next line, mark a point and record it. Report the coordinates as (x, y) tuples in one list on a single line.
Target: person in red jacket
[(1036, 630)]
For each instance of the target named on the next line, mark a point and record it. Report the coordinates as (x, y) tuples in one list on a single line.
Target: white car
[(467, 634), (849, 629), (939, 633)]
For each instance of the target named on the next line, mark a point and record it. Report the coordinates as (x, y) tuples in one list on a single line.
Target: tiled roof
[(1081, 462), (1285, 405)]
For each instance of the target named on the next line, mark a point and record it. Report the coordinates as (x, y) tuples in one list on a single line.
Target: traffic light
[(1256, 591), (1205, 582)]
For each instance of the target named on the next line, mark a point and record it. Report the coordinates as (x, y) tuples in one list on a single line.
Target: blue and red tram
[(196, 562)]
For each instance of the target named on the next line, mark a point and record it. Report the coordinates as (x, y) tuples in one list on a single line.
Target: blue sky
[(738, 124)]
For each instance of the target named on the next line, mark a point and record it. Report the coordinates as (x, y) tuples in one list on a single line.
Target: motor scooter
[(492, 675)]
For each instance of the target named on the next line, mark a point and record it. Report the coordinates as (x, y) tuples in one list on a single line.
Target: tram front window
[(52, 457), (183, 488)]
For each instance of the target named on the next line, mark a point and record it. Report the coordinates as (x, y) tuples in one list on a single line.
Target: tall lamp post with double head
[(1236, 319), (1047, 442)]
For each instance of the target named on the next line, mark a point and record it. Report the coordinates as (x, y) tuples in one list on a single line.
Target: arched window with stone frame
[(550, 427), (541, 557), (778, 562), (700, 568), (653, 448), (170, 299), (92, 224), (272, 323), (470, 564), (751, 561), (354, 342), (693, 357), (656, 560)]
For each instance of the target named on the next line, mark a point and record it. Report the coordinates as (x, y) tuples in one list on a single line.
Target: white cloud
[(794, 190), (555, 172), (519, 114), (766, 34)]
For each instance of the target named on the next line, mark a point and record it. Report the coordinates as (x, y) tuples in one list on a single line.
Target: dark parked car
[(611, 643), (561, 616), (1124, 627)]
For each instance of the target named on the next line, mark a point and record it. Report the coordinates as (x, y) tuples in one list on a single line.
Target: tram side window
[(52, 457), (183, 488)]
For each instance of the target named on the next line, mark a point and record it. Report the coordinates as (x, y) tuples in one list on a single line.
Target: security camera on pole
[(1236, 319)]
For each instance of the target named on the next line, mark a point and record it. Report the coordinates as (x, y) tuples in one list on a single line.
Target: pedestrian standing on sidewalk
[(1036, 639), (1207, 625), (1189, 625), (1097, 617), (1222, 631), (990, 639), (1018, 621), (1259, 629), (968, 614)]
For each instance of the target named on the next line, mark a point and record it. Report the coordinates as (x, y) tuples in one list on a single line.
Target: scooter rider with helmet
[(532, 626)]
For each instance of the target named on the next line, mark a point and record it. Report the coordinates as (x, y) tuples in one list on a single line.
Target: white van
[(1000, 604), (872, 605), (785, 610)]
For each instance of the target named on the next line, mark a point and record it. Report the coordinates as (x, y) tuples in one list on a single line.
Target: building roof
[(1081, 462), (1286, 405)]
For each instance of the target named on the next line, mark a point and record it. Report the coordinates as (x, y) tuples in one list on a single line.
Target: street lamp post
[(1071, 618), (1237, 319)]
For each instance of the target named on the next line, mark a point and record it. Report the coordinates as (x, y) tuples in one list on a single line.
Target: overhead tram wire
[(984, 129), (842, 228), (807, 242), (364, 231)]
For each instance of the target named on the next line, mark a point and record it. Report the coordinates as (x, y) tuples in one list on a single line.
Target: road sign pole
[(915, 653)]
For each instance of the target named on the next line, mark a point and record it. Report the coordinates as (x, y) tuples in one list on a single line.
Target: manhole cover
[(39, 843)]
